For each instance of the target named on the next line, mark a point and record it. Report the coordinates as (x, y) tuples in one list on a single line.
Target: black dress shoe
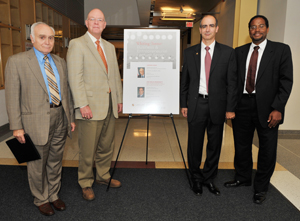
[(197, 188), (213, 189), (236, 183), (259, 198)]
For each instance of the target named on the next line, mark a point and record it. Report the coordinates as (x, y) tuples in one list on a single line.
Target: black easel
[(148, 116)]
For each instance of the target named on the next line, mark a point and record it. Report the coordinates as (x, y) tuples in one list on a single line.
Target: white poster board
[(151, 71)]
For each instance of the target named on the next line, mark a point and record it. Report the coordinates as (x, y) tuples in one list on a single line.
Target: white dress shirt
[(94, 41)]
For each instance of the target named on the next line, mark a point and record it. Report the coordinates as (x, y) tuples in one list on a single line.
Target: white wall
[(3, 114), (283, 16)]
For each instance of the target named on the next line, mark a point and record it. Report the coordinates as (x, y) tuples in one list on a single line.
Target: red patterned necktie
[(207, 66), (252, 71)]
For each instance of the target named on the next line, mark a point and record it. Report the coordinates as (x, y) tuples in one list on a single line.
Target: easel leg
[(186, 170), (113, 171), (147, 139)]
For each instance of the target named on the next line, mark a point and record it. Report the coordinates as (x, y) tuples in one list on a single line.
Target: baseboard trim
[(291, 132), (4, 128)]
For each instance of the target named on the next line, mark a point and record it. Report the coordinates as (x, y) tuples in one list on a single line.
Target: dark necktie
[(207, 62), (252, 71), (54, 93)]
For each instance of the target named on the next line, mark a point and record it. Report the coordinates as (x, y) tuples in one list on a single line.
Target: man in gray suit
[(96, 87), (39, 103)]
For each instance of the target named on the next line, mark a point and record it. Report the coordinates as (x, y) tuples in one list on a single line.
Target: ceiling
[(150, 12)]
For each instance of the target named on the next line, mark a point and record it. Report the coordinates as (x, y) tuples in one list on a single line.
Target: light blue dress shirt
[(40, 57)]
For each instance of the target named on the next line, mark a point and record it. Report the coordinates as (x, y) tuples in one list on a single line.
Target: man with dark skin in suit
[(265, 78)]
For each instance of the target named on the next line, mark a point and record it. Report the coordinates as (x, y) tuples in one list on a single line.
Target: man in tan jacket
[(46, 117), (97, 91)]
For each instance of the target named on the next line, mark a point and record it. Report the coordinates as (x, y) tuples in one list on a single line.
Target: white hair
[(36, 24)]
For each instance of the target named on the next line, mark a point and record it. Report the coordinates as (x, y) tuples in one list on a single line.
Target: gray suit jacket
[(27, 99), (89, 80)]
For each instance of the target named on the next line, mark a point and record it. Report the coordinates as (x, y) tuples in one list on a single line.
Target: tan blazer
[(27, 99), (88, 79)]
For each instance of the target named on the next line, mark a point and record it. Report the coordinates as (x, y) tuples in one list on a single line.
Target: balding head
[(95, 22)]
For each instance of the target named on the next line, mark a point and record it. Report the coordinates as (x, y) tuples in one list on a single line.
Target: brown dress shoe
[(114, 183), (46, 209), (88, 193), (59, 205)]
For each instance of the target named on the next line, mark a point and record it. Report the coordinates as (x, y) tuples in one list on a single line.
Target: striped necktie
[(54, 93)]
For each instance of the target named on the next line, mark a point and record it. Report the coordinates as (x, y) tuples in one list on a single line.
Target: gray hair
[(36, 24)]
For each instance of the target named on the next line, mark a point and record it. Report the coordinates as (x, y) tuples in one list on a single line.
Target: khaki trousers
[(44, 175), (96, 144)]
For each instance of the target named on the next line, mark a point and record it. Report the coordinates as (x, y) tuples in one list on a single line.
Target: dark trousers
[(201, 122), (244, 124)]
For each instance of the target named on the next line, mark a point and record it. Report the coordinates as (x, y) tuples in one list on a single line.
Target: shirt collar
[(93, 38), (40, 56), (262, 45), (211, 46)]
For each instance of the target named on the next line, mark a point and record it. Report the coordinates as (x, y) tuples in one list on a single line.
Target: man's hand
[(86, 112), (19, 134), (120, 107), (184, 111), (274, 118), (230, 115), (73, 125)]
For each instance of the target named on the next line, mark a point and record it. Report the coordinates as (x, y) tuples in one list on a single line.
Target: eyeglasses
[(96, 19), (204, 26), (254, 27)]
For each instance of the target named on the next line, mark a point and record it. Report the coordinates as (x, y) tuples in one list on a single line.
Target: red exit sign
[(189, 24)]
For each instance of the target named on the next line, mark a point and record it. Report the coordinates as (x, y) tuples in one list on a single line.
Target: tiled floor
[(164, 151)]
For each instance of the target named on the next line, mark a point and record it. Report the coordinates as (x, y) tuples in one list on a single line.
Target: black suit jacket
[(222, 82), (274, 78)]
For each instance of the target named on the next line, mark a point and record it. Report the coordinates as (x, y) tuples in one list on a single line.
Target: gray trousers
[(44, 175)]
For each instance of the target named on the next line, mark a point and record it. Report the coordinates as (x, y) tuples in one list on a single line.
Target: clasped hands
[(86, 111), (229, 115)]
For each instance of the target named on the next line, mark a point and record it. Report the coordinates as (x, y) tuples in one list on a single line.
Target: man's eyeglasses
[(96, 19), (254, 27)]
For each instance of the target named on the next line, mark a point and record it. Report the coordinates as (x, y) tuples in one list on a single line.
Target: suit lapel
[(92, 48), (216, 56), (60, 72), (268, 52), (243, 59), (107, 53), (197, 57), (35, 68)]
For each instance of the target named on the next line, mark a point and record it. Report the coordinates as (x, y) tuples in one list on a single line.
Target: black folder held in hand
[(23, 152)]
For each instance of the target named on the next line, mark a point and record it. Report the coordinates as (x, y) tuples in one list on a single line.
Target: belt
[(54, 105), (249, 95), (203, 96)]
